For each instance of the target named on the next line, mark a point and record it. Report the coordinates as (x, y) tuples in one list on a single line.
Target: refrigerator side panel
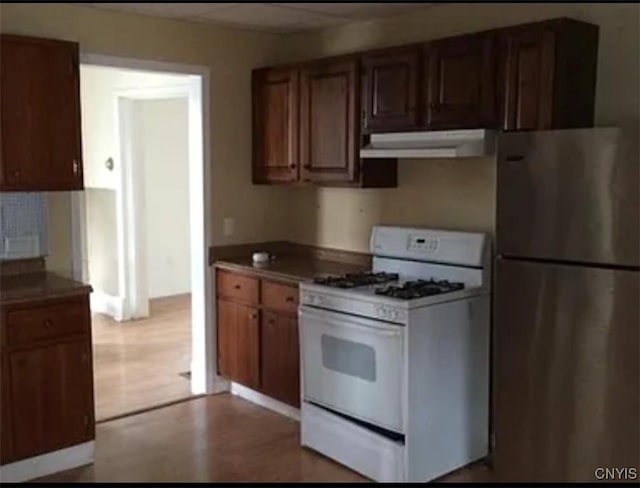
[(566, 391), (569, 195)]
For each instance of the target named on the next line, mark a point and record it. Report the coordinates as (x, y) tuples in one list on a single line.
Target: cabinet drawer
[(59, 319), (237, 286), (280, 297)]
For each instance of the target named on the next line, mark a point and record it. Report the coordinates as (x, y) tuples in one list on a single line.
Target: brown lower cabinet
[(258, 334), (47, 377)]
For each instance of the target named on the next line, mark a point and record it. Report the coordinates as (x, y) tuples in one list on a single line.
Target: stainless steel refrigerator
[(566, 314)]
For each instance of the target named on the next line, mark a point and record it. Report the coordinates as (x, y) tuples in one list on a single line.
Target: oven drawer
[(354, 366)]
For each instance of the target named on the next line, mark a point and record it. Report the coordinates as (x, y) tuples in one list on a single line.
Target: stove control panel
[(422, 243), (388, 313)]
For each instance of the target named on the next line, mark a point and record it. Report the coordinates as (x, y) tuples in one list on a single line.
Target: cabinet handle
[(75, 166), (253, 316), (85, 420), (289, 299), (48, 323), (307, 166), (292, 166), (237, 287)]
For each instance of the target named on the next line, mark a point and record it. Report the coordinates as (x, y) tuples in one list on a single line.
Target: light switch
[(228, 226)]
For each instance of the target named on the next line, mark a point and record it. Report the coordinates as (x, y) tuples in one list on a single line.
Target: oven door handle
[(364, 328), (388, 331)]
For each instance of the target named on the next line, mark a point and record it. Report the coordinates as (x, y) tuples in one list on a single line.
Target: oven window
[(348, 357)]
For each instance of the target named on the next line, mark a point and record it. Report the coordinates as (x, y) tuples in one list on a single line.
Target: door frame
[(204, 377)]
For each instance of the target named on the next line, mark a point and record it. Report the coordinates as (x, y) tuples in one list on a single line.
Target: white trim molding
[(203, 372), (111, 305), (265, 401), (46, 464)]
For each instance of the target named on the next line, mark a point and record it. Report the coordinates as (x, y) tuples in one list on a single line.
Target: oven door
[(354, 366)]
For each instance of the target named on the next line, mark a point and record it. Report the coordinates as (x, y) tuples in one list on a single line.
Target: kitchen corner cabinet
[(275, 125), (460, 83), (47, 377), (39, 115), (548, 75), (257, 339), (391, 89)]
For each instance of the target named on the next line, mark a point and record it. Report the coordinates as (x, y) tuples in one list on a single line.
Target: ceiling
[(271, 17)]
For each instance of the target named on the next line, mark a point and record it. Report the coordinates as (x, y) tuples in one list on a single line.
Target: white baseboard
[(265, 401), (45, 464), (111, 305)]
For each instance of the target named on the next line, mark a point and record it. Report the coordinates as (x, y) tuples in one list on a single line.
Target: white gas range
[(395, 362)]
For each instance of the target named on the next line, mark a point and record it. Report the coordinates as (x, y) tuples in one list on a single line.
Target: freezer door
[(569, 195), (566, 371)]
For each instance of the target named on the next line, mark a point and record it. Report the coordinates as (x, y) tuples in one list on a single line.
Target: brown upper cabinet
[(311, 120), (39, 115), (460, 83), (548, 75), (275, 119), (391, 89), (329, 121)]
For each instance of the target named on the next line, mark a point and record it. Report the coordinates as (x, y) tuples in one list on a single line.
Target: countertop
[(38, 286), (290, 268)]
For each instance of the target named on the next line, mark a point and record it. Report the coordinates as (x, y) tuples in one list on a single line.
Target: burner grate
[(419, 289), (353, 280)]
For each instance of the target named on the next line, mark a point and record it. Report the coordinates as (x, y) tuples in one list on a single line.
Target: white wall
[(164, 140)]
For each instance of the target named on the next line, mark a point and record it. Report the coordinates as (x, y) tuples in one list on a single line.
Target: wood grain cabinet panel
[(51, 398), (329, 123), (460, 75), (280, 297), (391, 100), (47, 377), (547, 75), (238, 287), (39, 115), (280, 361), (275, 125), (239, 343)]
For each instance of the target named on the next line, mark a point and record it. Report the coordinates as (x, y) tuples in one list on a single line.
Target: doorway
[(140, 233)]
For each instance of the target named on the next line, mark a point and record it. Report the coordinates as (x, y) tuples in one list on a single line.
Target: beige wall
[(230, 54), (453, 194)]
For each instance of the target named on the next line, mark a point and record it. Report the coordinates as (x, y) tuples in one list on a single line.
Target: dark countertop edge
[(265, 273), (71, 288)]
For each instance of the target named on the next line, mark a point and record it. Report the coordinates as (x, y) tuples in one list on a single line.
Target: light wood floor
[(214, 438), (137, 364)]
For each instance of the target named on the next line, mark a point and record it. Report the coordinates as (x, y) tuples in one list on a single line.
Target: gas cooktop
[(353, 280), (419, 289)]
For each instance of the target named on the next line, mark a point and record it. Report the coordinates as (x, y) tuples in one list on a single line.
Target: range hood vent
[(431, 144)]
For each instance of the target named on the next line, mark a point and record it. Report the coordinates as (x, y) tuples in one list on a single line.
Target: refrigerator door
[(566, 371), (569, 195)]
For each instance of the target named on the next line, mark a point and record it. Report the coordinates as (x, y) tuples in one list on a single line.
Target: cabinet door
[(392, 90), (281, 357), (329, 121), (40, 115), (275, 125), (460, 77), (526, 78), (51, 398), (239, 343)]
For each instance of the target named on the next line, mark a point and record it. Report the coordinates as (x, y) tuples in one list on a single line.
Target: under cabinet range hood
[(431, 144)]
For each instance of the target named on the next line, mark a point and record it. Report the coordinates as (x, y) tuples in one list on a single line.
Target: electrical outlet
[(228, 226)]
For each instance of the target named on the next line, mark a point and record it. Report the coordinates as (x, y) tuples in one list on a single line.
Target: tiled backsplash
[(23, 225)]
